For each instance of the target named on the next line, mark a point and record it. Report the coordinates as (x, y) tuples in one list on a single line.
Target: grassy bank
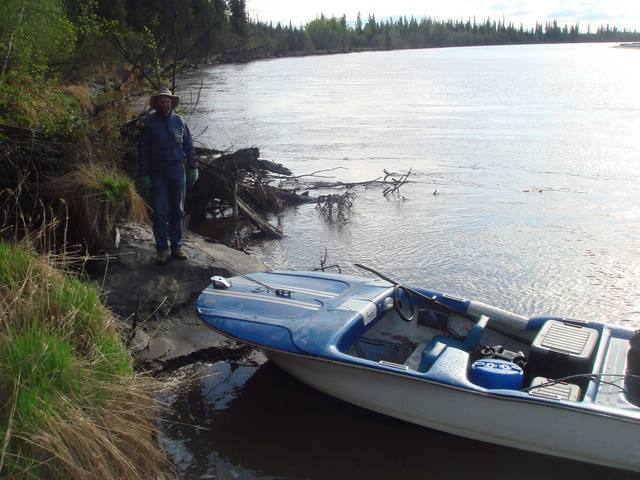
[(70, 403)]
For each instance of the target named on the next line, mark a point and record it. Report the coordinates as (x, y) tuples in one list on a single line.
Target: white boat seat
[(439, 343)]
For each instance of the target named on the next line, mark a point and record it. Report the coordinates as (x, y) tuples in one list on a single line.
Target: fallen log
[(16, 132), (273, 167), (237, 180), (248, 159), (258, 220), (294, 198), (207, 151)]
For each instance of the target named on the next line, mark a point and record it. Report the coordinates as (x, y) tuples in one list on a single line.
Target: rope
[(591, 376)]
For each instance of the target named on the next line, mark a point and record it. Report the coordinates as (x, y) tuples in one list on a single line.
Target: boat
[(552, 385)]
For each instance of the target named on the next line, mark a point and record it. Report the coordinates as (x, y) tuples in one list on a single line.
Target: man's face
[(164, 105)]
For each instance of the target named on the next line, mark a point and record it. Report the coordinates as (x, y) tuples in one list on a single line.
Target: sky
[(619, 13)]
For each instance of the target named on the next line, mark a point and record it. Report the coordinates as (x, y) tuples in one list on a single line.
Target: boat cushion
[(431, 353), (439, 343)]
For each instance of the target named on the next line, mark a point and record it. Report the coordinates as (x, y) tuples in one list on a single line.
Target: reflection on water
[(533, 151), (257, 422)]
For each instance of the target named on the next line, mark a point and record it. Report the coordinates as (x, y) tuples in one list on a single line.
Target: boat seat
[(439, 344)]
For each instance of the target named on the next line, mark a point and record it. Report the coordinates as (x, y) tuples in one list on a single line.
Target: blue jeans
[(169, 188)]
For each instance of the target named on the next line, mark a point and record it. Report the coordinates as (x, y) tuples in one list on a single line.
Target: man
[(165, 143)]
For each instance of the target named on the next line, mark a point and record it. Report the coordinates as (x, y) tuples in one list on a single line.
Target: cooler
[(562, 348)]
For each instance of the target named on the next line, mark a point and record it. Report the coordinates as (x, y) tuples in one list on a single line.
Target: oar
[(422, 296)]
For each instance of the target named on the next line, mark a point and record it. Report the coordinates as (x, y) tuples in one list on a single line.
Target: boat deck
[(393, 340)]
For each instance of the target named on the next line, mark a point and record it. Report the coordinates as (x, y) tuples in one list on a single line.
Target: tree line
[(335, 33)]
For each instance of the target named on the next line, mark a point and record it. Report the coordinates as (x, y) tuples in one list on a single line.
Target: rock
[(139, 341), (157, 301), (159, 349)]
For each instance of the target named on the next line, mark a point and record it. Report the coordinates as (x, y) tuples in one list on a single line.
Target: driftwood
[(29, 154), (248, 159), (237, 182), (397, 183), (336, 207), (389, 181), (323, 264), (20, 133), (206, 151), (292, 197), (258, 220)]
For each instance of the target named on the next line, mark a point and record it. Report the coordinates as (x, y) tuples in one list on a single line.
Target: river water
[(525, 195)]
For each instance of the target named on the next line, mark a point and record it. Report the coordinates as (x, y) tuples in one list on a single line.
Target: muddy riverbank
[(155, 303)]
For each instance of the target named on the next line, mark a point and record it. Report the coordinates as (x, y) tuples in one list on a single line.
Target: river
[(524, 195)]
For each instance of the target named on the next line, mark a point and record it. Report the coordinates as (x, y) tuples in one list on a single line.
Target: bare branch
[(11, 39), (397, 183), (323, 264), (335, 206), (312, 174), (195, 104), (115, 41)]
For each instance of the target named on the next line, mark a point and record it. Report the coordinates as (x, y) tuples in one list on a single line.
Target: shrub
[(33, 36), (45, 106)]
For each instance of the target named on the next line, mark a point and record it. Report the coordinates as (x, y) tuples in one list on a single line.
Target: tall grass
[(97, 198), (70, 404), (58, 111)]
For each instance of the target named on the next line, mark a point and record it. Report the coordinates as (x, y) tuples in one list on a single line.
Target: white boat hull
[(533, 426)]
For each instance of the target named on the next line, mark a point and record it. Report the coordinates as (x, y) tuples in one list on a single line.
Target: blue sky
[(621, 13)]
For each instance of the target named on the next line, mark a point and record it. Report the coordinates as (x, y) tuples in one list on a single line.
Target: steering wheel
[(403, 303)]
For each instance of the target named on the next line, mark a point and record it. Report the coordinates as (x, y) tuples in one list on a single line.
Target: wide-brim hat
[(164, 92)]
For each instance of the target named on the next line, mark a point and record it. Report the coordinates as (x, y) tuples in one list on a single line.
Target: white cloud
[(621, 13)]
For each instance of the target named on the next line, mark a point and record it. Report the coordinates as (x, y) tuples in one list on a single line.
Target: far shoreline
[(628, 45), (258, 54)]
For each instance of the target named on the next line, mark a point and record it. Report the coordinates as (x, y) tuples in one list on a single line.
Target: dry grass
[(70, 405), (98, 198), (115, 442), (111, 443), (82, 94)]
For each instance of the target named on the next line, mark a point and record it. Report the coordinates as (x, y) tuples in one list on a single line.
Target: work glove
[(192, 177), (145, 183)]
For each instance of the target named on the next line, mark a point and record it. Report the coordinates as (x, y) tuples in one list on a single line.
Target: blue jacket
[(165, 142)]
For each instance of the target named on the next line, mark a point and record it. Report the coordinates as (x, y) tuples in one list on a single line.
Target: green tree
[(113, 10), (34, 35), (238, 18), (328, 33)]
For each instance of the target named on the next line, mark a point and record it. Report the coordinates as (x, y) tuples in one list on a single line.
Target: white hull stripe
[(262, 298), (306, 291)]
